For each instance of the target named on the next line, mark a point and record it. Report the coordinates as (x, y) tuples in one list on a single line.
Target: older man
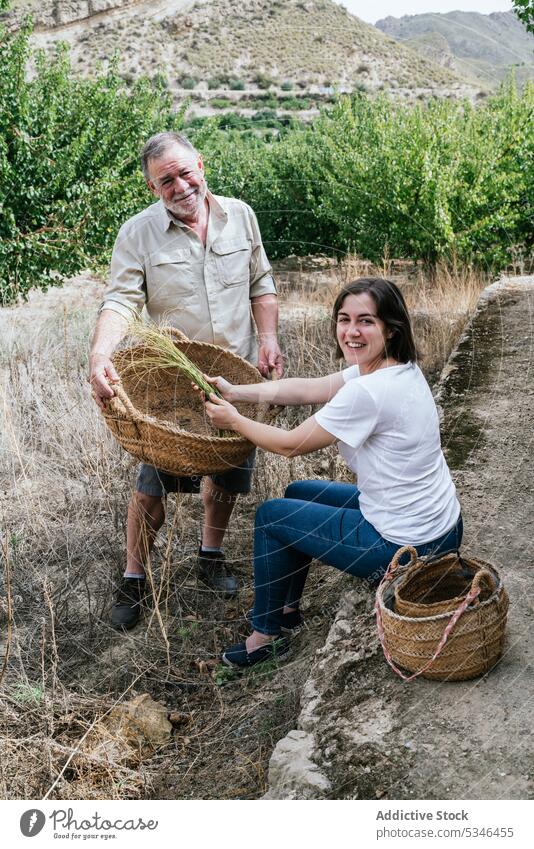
[(194, 260)]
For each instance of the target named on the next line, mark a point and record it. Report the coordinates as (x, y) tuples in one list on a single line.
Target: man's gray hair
[(158, 144)]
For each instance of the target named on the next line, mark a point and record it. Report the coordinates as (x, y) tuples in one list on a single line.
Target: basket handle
[(177, 334), (394, 565), (121, 397), (275, 409)]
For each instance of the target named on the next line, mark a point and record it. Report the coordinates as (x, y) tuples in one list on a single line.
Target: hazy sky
[(373, 11)]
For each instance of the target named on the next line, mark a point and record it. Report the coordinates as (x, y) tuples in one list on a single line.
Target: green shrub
[(265, 115), (236, 85), (220, 103), (430, 181), (263, 81), (214, 83), (231, 120), (287, 85), (188, 82)]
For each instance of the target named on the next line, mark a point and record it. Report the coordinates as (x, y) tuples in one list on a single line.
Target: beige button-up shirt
[(161, 264)]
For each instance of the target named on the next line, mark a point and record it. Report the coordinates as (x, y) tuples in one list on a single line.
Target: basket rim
[(418, 571), (499, 589)]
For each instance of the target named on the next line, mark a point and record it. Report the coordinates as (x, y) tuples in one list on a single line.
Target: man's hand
[(265, 312), (109, 330), (270, 356), (221, 413), (101, 373)]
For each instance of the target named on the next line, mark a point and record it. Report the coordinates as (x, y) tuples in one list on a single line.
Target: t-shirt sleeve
[(351, 415)]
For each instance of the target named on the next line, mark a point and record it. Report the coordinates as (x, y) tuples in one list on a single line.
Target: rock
[(129, 733), (292, 772), (144, 718)]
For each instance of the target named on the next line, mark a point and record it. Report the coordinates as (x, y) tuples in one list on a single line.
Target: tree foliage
[(443, 180), (524, 10), (438, 180), (69, 171)]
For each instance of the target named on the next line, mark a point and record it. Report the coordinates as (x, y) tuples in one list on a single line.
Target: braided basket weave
[(444, 619), (158, 417)]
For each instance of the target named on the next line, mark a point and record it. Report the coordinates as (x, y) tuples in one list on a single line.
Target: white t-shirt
[(388, 430)]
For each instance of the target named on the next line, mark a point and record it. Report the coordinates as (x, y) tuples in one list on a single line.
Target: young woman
[(381, 413)]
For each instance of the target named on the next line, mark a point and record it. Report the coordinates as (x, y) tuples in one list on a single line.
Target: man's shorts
[(236, 481)]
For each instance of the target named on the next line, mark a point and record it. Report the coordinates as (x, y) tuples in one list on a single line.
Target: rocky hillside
[(482, 48), (240, 43)]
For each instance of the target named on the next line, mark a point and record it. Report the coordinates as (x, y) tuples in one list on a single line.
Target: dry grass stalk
[(162, 353), (8, 606)]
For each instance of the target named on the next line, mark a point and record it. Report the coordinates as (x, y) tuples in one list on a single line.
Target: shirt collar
[(166, 218)]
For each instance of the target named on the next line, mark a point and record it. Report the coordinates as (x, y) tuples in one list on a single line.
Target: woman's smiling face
[(361, 335)]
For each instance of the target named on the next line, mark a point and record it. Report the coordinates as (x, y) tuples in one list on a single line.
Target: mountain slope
[(482, 48), (315, 41)]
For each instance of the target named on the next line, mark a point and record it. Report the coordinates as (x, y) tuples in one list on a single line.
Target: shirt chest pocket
[(232, 257), (171, 273)]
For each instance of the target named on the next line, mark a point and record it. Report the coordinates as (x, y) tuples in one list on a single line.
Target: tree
[(524, 10), (69, 171)]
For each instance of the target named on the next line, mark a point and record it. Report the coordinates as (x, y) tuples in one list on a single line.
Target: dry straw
[(161, 352)]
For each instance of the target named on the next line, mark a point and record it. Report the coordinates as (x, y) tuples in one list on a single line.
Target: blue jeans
[(318, 520)]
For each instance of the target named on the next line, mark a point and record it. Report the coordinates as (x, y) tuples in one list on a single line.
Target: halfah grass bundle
[(162, 353)]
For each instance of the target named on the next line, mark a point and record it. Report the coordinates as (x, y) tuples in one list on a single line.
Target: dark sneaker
[(291, 622), (126, 611), (213, 571), (239, 656)]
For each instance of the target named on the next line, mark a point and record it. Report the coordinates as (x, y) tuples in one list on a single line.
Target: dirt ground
[(366, 733)]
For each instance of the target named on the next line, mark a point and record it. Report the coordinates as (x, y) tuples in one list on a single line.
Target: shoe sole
[(292, 632)]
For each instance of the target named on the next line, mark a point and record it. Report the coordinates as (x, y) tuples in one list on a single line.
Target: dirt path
[(362, 732)]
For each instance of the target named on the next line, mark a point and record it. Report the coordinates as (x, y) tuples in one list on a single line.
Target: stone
[(293, 774), (129, 733)]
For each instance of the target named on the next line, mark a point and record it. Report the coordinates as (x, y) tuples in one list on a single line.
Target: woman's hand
[(227, 390), (221, 413)]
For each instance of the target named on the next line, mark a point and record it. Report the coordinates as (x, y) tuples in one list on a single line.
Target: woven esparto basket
[(442, 619), (160, 419)]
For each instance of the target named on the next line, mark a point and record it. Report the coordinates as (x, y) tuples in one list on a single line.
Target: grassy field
[(64, 488)]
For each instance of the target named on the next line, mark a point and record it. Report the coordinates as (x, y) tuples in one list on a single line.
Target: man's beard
[(181, 208)]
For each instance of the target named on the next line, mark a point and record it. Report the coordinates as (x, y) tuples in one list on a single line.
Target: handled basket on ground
[(443, 618), (158, 417)]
